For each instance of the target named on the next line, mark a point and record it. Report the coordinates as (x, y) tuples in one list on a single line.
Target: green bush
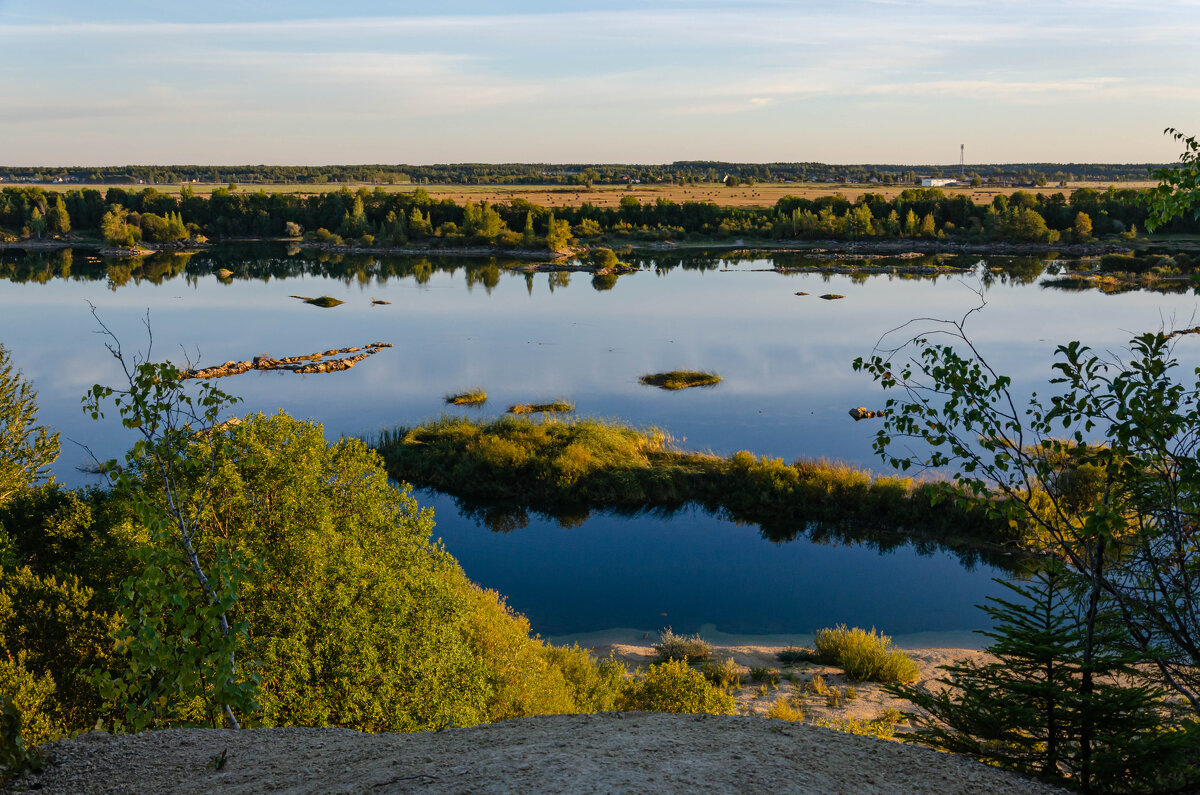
[(674, 687), (726, 674), (354, 617), (796, 654), (864, 656)]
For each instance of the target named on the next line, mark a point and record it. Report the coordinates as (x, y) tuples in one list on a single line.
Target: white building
[(937, 182)]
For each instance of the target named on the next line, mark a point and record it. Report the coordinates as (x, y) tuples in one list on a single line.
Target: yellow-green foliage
[(33, 696), (674, 687), (726, 674), (864, 656), (527, 676), (868, 728), (355, 618), (782, 710)]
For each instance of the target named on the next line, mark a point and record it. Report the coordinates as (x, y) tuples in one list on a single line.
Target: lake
[(457, 323)]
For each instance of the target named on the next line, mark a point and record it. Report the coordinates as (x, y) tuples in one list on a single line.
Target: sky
[(362, 81)]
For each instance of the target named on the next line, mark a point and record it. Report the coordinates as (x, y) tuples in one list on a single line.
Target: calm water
[(460, 323)]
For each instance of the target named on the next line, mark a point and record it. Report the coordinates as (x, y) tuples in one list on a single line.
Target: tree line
[(378, 217), (680, 171)]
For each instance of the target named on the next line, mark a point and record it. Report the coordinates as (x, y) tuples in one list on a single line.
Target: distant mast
[(962, 160)]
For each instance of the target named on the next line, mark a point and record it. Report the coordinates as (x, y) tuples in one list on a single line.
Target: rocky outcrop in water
[(330, 361)]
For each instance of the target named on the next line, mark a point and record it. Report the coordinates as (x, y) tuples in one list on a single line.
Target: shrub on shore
[(681, 647), (864, 656), (674, 687)]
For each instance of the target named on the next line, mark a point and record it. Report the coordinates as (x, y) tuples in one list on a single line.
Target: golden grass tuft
[(554, 407), (472, 397)]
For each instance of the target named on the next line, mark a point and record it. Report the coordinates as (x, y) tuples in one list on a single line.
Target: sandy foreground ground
[(608, 752)]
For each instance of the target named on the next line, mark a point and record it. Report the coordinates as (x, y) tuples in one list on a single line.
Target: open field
[(759, 195)]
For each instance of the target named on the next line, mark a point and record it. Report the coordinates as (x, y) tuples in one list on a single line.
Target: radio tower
[(962, 169)]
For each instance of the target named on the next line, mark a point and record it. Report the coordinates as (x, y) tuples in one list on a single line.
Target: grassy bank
[(567, 468)]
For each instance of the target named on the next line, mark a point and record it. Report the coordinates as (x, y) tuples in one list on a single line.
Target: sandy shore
[(929, 650)]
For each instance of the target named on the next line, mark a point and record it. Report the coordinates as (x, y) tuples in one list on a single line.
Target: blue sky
[(860, 81)]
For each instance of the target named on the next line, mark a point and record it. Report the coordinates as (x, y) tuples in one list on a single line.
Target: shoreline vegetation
[(134, 220), (499, 470), (680, 379)]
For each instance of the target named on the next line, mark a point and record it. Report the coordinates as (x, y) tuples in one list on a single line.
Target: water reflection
[(459, 323), (508, 517)]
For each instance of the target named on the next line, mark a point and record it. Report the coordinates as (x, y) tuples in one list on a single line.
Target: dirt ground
[(606, 752)]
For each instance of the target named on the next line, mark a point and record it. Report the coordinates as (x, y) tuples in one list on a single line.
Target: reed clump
[(472, 397), (553, 407), (681, 379)]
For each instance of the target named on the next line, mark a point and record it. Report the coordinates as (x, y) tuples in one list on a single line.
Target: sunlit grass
[(472, 397), (554, 407)]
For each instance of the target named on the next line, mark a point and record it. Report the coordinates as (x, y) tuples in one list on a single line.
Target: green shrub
[(864, 656), (817, 685), (796, 654), (595, 686), (768, 675), (674, 687), (727, 674), (680, 647), (355, 618)]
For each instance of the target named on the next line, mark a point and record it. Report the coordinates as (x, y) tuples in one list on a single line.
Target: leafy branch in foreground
[(176, 632), (1104, 476), (1178, 192)]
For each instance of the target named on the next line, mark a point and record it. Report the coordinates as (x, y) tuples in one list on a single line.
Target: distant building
[(937, 182)]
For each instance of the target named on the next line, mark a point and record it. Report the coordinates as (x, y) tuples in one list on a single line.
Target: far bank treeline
[(382, 218)]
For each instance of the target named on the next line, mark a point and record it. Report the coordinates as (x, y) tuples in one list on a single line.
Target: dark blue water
[(788, 385)]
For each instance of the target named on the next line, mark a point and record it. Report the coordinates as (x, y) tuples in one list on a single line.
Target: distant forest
[(681, 172)]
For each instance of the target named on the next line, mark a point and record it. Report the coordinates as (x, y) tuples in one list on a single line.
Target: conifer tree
[(1057, 702)]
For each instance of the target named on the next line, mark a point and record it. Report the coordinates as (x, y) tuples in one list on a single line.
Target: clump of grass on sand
[(472, 397), (554, 407), (864, 656), (681, 647), (795, 654), (680, 379), (782, 710)]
